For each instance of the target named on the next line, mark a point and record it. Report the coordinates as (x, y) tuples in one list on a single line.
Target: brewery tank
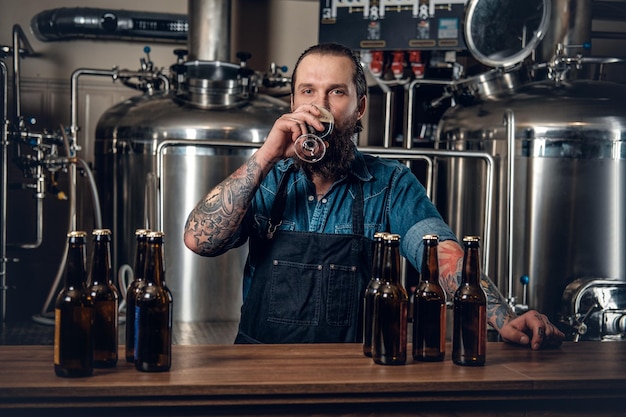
[(565, 218), (157, 154)]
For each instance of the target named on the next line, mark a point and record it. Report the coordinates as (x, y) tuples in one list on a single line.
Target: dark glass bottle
[(429, 308), (153, 312), (133, 290), (105, 300), (390, 309), (74, 315), (469, 337), (370, 292)]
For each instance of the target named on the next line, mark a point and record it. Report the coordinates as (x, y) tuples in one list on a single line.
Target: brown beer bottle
[(390, 309), (469, 337), (153, 312), (429, 308), (133, 290), (105, 301), (370, 292), (74, 315)]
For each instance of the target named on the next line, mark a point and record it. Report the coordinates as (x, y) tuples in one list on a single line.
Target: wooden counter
[(587, 378)]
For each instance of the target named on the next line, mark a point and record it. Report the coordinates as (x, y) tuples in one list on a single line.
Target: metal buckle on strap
[(271, 229)]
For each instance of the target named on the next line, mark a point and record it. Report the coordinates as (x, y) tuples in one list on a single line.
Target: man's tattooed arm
[(450, 264), (217, 216)]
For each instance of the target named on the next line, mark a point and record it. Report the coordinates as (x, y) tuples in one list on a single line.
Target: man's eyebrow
[(331, 87)]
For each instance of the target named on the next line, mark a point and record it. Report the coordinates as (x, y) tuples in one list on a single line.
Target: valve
[(398, 65)]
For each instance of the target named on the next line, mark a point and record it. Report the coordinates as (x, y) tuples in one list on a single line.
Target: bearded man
[(310, 227)]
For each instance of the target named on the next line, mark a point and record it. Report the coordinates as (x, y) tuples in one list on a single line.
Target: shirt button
[(324, 201), (311, 197)]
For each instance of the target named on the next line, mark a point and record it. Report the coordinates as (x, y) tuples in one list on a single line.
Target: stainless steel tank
[(565, 217), (157, 155)]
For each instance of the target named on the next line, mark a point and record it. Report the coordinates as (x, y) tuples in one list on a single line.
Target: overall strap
[(358, 221), (276, 214)]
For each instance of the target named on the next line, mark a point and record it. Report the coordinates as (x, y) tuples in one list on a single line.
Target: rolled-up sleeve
[(412, 243)]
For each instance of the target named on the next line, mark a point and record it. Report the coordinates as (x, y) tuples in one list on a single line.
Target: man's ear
[(362, 106)]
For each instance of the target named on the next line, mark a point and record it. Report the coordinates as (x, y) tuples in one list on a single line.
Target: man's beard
[(339, 153)]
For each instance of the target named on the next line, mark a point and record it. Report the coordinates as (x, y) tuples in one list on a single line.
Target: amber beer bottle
[(390, 309), (74, 315), (105, 300), (133, 290), (429, 308), (153, 312), (469, 337), (370, 292)]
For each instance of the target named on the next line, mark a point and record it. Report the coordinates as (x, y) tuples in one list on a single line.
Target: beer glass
[(311, 146)]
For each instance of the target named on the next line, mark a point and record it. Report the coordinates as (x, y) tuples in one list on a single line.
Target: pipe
[(509, 122), (18, 35), (209, 30), (403, 154), (70, 149), (408, 138), (3, 194)]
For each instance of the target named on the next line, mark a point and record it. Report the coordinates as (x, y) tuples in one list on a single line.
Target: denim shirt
[(394, 201)]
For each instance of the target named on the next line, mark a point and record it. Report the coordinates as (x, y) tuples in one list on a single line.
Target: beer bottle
[(74, 315), (153, 312), (370, 292), (132, 291), (469, 337), (429, 308), (390, 309), (105, 301)]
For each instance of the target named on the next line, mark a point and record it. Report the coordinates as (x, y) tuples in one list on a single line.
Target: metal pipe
[(509, 122), (73, 122), (209, 30), (18, 35), (403, 154), (408, 138), (3, 194)]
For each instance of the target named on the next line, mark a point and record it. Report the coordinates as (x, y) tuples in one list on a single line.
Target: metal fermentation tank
[(158, 154), (559, 203)]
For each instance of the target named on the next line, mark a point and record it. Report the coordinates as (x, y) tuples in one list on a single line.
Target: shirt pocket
[(342, 295), (295, 293), (262, 225)]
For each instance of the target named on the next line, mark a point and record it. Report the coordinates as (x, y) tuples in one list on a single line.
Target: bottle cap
[(142, 232), (430, 237), (471, 239), (77, 233), (392, 237), (155, 235), (101, 232), (380, 235)]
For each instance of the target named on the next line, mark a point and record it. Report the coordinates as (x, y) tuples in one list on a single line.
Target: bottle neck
[(140, 258), (391, 262), (76, 266), (101, 265), (154, 271), (471, 266), (377, 265), (430, 263)]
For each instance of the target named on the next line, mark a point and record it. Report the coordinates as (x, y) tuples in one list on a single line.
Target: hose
[(44, 316)]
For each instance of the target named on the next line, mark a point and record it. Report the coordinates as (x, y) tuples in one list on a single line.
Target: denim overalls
[(307, 287)]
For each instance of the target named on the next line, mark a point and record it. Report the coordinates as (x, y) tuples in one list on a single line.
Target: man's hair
[(335, 49)]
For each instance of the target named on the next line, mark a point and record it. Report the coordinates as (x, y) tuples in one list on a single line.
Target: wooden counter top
[(587, 378)]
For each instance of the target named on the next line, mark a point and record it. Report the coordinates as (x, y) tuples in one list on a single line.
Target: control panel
[(393, 24)]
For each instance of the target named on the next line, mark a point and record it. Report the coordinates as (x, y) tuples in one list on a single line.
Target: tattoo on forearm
[(218, 216), (498, 310)]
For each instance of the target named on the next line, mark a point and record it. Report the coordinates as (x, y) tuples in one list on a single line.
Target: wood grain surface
[(587, 378)]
